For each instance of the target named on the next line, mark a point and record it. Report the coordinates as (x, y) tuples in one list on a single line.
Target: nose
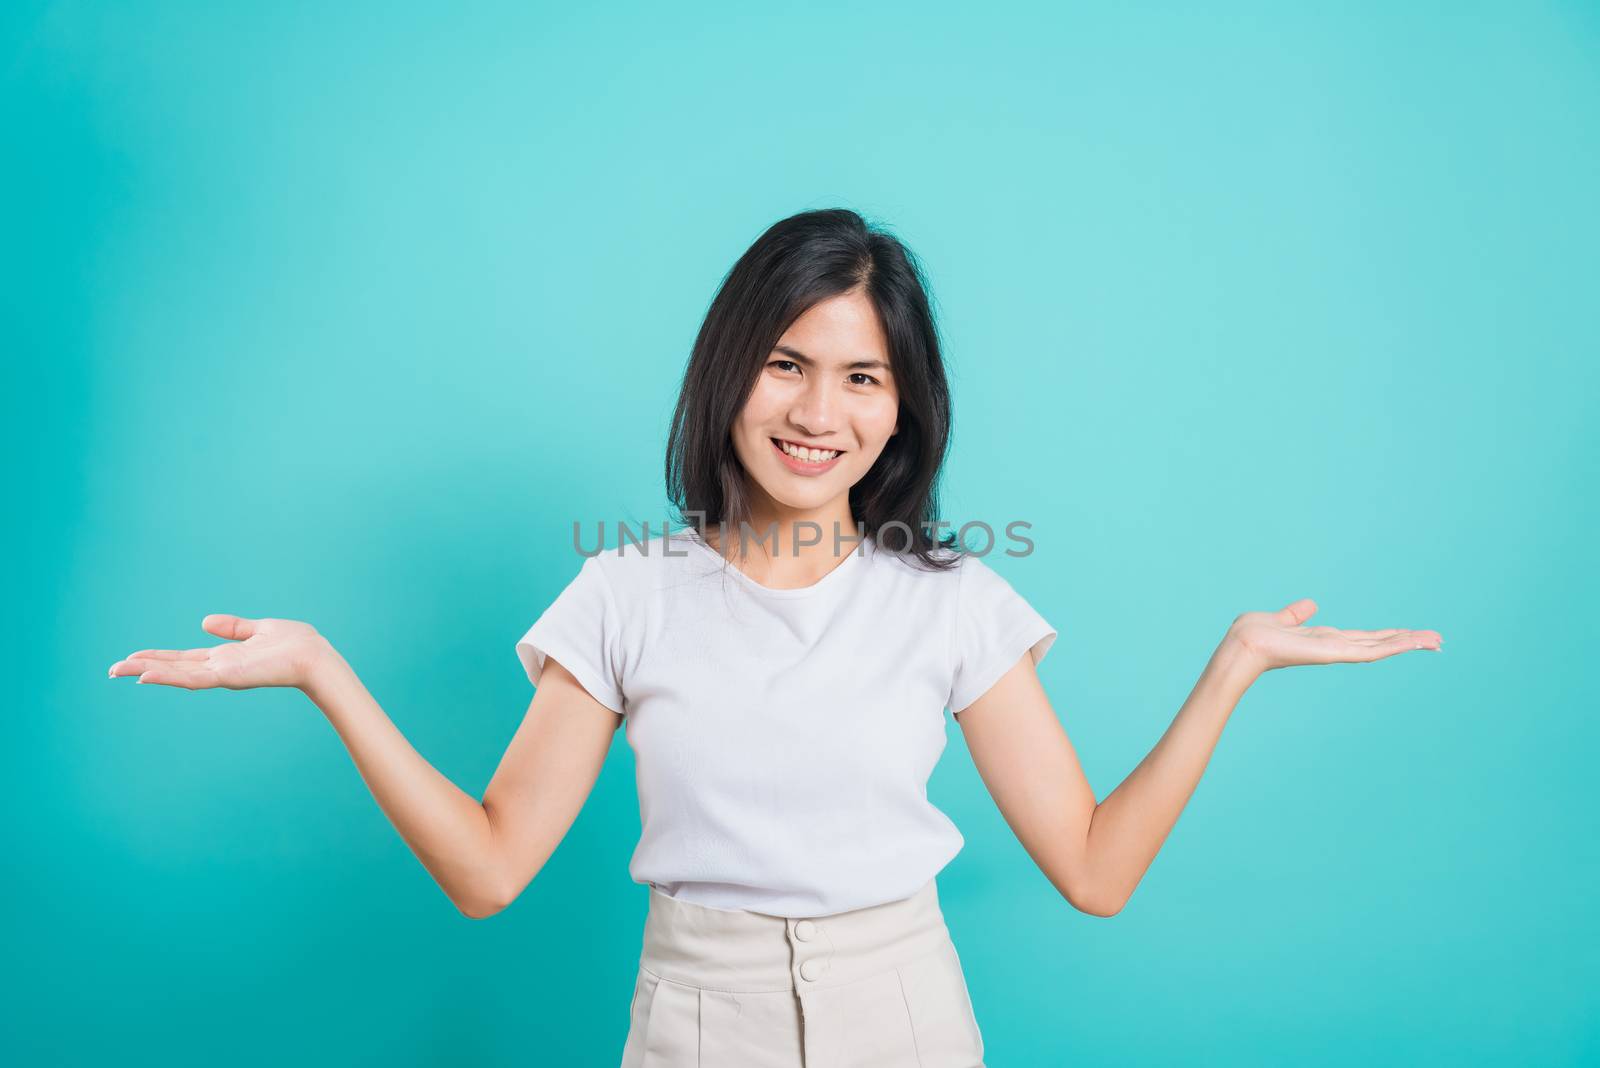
[(815, 411)]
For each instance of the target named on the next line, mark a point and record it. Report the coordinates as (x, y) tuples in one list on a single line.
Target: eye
[(869, 379), (791, 363)]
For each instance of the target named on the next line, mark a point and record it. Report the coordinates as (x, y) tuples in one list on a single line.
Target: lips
[(803, 445), (803, 467)]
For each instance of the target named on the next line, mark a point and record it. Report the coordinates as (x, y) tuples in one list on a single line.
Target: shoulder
[(984, 588), (965, 575), (906, 568), (633, 565)]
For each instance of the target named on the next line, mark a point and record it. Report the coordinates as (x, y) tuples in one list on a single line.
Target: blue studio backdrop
[(344, 313)]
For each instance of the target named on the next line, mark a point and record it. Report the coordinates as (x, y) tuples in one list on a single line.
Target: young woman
[(782, 666)]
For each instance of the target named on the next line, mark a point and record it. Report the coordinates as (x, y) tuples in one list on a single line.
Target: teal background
[(345, 312)]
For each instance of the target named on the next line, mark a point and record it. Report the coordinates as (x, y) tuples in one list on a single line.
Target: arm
[(1095, 854), (1132, 823), (481, 855), (446, 829)]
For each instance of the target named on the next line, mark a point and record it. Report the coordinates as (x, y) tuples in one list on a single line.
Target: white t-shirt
[(783, 739)]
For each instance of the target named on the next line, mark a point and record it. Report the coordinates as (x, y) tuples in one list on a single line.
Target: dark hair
[(798, 262)]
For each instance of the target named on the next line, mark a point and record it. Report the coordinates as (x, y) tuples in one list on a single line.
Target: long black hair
[(798, 262)]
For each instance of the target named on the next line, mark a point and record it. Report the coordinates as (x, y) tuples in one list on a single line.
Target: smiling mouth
[(800, 454)]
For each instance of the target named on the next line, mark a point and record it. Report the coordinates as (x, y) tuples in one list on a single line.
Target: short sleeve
[(581, 630), (994, 626)]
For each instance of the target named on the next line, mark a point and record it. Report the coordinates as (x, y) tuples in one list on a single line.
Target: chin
[(801, 502)]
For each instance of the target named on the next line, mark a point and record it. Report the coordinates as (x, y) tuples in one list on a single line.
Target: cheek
[(765, 402), (879, 420)]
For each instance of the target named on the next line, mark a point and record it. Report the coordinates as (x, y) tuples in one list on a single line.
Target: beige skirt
[(879, 987)]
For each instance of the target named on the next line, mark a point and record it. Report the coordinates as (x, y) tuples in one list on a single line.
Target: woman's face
[(826, 385)]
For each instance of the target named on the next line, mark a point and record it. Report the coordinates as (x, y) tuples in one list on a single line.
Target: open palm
[(263, 652), (1280, 639)]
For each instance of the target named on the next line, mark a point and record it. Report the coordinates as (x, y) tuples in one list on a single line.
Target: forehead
[(842, 331)]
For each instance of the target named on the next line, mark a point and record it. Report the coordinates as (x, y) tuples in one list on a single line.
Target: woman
[(782, 666)]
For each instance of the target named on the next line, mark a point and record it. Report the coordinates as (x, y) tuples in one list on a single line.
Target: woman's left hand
[(1278, 639)]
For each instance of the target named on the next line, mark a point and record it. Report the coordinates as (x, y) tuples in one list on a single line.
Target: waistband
[(746, 952)]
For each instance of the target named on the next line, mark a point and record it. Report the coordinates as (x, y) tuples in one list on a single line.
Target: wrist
[(321, 667), (1237, 662)]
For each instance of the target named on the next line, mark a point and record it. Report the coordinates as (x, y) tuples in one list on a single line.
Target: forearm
[(1128, 828), (446, 828)]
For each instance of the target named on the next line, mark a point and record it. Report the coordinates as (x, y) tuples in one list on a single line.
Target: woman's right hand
[(263, 652)]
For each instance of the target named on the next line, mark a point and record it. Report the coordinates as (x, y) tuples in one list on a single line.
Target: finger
[(1404, 642), (1298, 612), (1414, 639), (225, 626), (185, 676), (137, 665), (1426, 639), (130, 666), (150, 657)]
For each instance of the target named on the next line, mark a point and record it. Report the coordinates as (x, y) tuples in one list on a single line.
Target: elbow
[(482, 906), (1103, 911), (1097, 904), (478, 910)]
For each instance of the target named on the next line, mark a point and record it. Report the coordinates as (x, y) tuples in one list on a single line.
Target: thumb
[(1298, 612), (225, 626)]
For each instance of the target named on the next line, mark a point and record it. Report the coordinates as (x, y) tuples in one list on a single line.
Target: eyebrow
[(797, 355)]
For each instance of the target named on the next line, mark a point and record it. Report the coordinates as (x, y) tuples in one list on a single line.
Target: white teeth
[(814, 456)]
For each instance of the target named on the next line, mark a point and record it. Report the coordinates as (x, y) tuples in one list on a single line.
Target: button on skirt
[(878, 987)]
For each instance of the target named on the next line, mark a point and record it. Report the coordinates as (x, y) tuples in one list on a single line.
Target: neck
[(804, 534)]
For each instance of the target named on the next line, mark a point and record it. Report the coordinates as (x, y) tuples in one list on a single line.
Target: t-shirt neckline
[(857, 553)]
